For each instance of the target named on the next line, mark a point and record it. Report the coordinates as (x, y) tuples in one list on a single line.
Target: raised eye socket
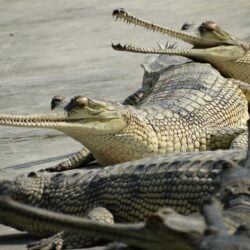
[(77, 101), (80, 101), (208, 26)]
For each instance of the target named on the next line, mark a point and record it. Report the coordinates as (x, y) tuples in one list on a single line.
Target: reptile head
[(210, 44), (213, 35), (208, 34), (80, 116), (99, 117)]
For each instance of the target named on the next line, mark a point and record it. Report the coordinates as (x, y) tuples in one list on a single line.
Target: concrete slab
[(63, 47)]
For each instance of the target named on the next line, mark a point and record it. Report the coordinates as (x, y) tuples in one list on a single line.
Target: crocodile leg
[(67, 239), (79, 159)]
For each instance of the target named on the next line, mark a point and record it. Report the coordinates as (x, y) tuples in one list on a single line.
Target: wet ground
[(63, 47)]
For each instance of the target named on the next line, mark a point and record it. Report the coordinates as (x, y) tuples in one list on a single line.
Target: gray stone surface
[(54, 47)]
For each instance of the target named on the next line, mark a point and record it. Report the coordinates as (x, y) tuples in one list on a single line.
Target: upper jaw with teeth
[(78, 110), (211, 44), (207, 34)]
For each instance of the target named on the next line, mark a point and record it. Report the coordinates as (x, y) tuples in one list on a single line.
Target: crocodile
[(211, 44), (126, 192), (132, 192), (162, 230), (186, 106)]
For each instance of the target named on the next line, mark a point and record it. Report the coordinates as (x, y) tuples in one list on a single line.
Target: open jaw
[(208, 35), (80, 113)]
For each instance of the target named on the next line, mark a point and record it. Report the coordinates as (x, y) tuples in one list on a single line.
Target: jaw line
[(192, 53), (64, 123), (194, 39)]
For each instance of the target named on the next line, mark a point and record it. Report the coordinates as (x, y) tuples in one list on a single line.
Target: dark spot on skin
[(32, 175)]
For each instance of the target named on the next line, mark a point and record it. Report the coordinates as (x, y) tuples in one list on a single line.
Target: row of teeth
[(129, 19), (22, 120), (132, 48)]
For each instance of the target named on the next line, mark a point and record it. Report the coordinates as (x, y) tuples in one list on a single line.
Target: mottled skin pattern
[(127, 192), (211, 44), (191, 107)]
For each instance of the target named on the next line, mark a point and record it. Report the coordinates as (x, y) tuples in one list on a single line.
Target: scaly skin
[(211, 44), (163, 230), (129, 191), (190, 107)]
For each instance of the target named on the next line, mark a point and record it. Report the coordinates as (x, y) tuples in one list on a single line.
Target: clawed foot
[(52, 243), (134, 99)]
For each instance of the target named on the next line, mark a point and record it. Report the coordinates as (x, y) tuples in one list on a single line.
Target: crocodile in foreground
[(188, 107), (127, 192), (211, 44), (164, 230)]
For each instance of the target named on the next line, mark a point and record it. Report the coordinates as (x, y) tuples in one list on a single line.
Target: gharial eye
[(81, 101), (208, 26), (211, 26)]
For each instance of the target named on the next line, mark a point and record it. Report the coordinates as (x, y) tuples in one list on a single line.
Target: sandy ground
[(62, 47)]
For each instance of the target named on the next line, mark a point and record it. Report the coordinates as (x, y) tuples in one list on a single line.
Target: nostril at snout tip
[(56, 101)]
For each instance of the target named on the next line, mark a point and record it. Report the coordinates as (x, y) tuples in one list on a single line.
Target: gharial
[(211, 44), (184, 106), (126, 192)]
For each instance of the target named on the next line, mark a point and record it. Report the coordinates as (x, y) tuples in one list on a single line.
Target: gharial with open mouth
[(229, 55)]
